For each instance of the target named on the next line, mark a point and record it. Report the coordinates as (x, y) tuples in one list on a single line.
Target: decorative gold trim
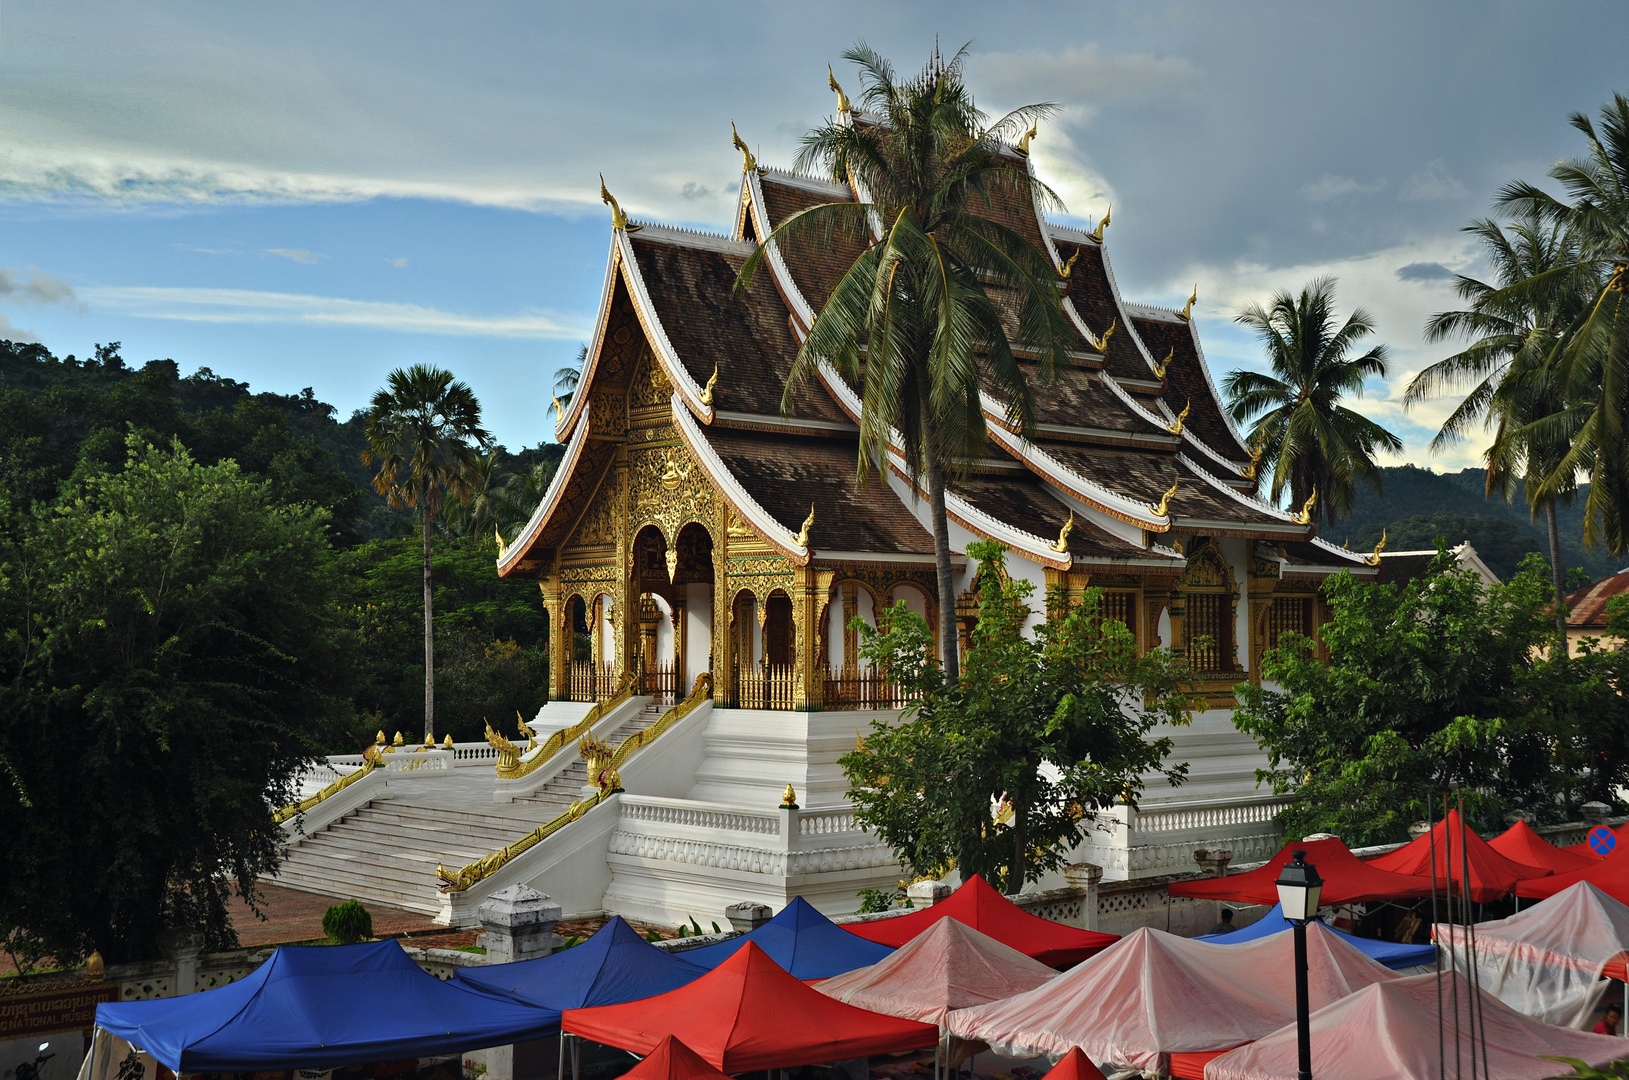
[(1256, 452), (843, 105), (1061, 545), (1161, 367), (1305, 516), (748, 162), (1102, 344), (1163, 507), (510, 767), (707, 391), (1070, 265), (370, 760), (1023, 143), (619, 220), (1176, 428), (1097, 233), (1186, 314), (698, 694), (1374, 559), (488, 865), (802, 539)]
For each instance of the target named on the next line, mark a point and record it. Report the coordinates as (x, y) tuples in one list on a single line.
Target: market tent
[(1153, 993), (1389, 953), (748, 1014), (1347, 879), (947, 966), (1074, 1066), (673, 1060), (319, 1007), (1610, 875), (1460, 856), (802, 941), (612, 966), (979, 905), (1520, 843), (1547, 961), (1389, 1032)]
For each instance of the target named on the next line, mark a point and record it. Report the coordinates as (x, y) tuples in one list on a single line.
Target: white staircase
[(566, 787)]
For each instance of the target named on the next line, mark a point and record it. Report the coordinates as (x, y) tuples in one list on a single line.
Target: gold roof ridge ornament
[(1163, 507), (1186, 314), (843, 105), (1070, 265), (1023, 143), (1305, 516), (559, 409), (1374, 558), (619, 220), (1256, 452), (1103, 223), (1102, 343), (707, 391), (748, 162), (497, 534), (1061, 545), (1176, 428), (802, 538), (1161, 367)]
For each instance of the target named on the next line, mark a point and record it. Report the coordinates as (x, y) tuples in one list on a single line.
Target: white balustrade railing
[(1209, 815), (826, 822), (715, 817), (423, 763)]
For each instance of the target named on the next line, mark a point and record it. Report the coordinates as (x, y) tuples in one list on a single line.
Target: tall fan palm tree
[(1315, 446), (1511, 333), (1590, 356), (916, 321), (424, 431)]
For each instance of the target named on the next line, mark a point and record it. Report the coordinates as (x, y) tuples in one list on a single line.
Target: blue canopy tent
[(1389, 953), (613, 966), (320, 1007), (801, 940)]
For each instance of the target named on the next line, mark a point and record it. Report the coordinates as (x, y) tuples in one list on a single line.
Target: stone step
[(348, 849), (418, 894), (404, 809), (410, 833)]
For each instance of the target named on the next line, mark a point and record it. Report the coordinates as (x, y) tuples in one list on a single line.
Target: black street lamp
[(1298, 888)]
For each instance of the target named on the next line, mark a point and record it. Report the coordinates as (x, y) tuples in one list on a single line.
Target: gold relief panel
[(1207, 570), (650, 385), (668, 489), (598, 525)]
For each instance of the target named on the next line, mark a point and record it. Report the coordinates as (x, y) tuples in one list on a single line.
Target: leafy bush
[(347, 923)]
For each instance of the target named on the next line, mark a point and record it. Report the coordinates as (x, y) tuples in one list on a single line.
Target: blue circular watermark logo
[(1602, 840)]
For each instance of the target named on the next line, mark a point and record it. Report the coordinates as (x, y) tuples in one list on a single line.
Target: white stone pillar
[(519, 922)]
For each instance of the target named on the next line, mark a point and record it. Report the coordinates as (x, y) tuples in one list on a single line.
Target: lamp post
[(1298, 888)]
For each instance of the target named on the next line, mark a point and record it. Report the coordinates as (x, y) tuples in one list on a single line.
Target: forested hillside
[(1419, 505)]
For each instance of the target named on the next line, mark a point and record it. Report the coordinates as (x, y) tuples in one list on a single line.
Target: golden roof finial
[(619, 220), (1160, 368), (802, 539), (1097, 233), (1023, 143), (1070, 265), (1061, 545), (1187, 309), (497, 534), (1102, 343), (1163, 507), (842, 99), (707, 391), (1305, 516), (748, 162), (1176, 428), (1256, 453), (1374, 559), (559, 409)]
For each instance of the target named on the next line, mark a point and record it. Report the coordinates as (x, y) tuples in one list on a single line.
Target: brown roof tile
[(1093, 298), (1185, 382), (1145, 476), (1026, 503)]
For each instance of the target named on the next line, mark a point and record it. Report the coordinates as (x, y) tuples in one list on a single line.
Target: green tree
[(1310, 442), (1511, 333), (1435, 685), (476, 517), (424, 431), (917, 321), (1589, 359), (1002, 773), (171, 665)]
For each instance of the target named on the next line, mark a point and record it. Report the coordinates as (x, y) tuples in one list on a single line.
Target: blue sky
[(310, 194)]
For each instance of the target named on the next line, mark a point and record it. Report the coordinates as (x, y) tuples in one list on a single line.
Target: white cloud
[(299, 255), (37, 289), (1078, 75), (11, 332), (251, 306), (1330, 187), (399, 264), (1433, 182)]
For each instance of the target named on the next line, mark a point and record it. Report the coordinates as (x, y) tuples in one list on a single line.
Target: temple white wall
[(698, 630)]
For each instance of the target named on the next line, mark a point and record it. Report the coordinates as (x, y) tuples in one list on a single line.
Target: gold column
[(681, 632), (851, 637), (560, 636), (723, 654), (1263, 582)]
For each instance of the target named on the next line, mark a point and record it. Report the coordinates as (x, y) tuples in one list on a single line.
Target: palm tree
[(424, 429), (1589, 359), (519, 494), (1511, 333), (566, 378), (475, 516), (1315, 446), (916, 322)]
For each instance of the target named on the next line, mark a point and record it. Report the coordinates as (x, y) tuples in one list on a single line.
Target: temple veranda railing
[(774, 687), (604, 771)]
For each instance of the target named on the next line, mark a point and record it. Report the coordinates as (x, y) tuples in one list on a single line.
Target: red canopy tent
[(979, 905), (673, 1060), (1520, 843), (1610, 875), (749, 1014), (1347, 879), (1074, 1066), (1458, 854)]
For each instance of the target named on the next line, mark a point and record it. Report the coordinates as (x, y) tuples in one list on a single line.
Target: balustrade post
[(1086, 877)]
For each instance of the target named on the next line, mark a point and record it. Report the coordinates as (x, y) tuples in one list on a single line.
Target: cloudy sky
[(310, 194)]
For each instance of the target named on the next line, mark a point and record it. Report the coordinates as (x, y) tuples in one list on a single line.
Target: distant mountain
[(1420, 505)]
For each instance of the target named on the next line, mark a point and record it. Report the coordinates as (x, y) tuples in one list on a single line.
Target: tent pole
[(560, 1069), (576, 1058)]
